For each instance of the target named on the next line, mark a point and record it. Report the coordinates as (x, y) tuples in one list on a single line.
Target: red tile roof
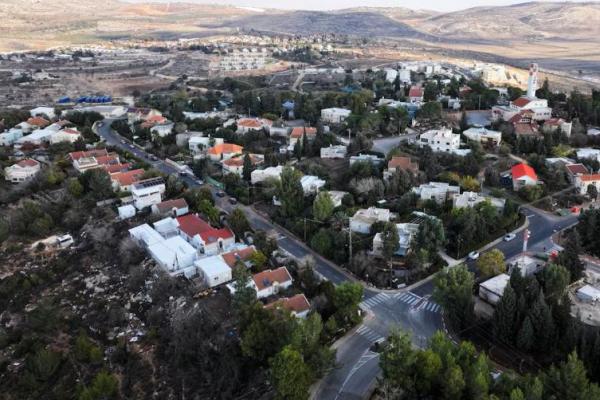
[(109, 159), (233, 257), (76, 155), (254, 122), (521, 170), (71, 131), (298, 132), (266, 278), (298, 303), (590, 177), (403, 163), (225, 148), (168, 205), (576, 169), (415, 91), (192, 225), (521, 102), (28, 162), (239, 161), (526, 129), (112, 168), (38, 121), (128, 177)]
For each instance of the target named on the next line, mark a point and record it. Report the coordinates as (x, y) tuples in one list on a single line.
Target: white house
[(175, 208), (484, 136), (493, 289), (587, 152), (270, 282), (334, 115), (363, 219), (406, 233), (471, 199), (311, 184), (235, 165), (334, 151), (22, 171), (145, 235), (554, 124), (245, 125), (523, 175), (437, 191), (10, 137), (213, 270), (39, 136), (260, 175), (370, 158), (583, 181), (147, 192), (126, 212), (442, 140), (47, 111), (69, 135), (163, 130), (174, 255), (198, 144), (337, 196)]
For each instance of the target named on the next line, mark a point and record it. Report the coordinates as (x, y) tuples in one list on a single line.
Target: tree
[(390, 239), (238, 222), (97, 184), (570, 382), (430, 110), (453, 291), (323, 206), (265, 332), (592, 192), (247, 167), (542, 323), (306, 339), (346, 298), (105, 386), (244, 295), (431, 235), (491, 263), (74, 187), (291, 193), (556, 280), (569, 257), (505, 316), (322, 242), (209, 211), (398, 363), (290, 374)]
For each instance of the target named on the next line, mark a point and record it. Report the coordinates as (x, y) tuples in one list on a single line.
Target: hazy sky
[(439, 5)]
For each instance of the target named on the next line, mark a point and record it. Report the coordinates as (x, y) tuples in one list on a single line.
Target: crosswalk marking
[(380, 298), (431, 306), (369, 334)]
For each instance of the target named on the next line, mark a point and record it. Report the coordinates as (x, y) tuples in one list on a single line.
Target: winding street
[(410, 308)]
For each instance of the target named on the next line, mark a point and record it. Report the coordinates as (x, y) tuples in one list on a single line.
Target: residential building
[(224, 151), (244, 59), (406, 234), (416, 94), (298, 133), (174, 208), (523, 175), (492, 290), (334, 115), (484, 136), (586, 152), (153, 120), (69, 135), (147, 192), (213, 270), (575, 170), (245, 125), (297, 305), (205, 238), (145, 236), (471, 199), (239, 256), (442, 140), (105, 111), (174, 255), (235, 165), (311, 184), (270, 282), (398, 163), (199, 144), (39, 136), (370, 158), (22, 171), (553, 124), (593, 131), (437, 191), (337, 196), (97, 158), (334, 151), (43, 111), (126, 212), (124, 180), (10, 137), (363, 219), (588, 294), (136, 114), (163, 130), (260, 175), (38, 122), (582, 182)]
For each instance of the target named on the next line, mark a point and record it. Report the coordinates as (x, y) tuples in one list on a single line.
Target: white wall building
[(69, 135), (471, 199), (213, 270), (437, 191), (493, 289), (147, 192), (260, 175), (311, 184), (370, 158), (334, 115), (199, 144), (582, 182), (484, 136), (442, 140), (163, 130), (363, 219), (406, 233), (10, 137), (22, 171), (331, 151)]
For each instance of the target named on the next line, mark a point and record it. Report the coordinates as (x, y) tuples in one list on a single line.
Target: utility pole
[(304, 229), (349, 243)]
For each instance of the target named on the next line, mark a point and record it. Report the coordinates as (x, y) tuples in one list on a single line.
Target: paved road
[(412, 310)]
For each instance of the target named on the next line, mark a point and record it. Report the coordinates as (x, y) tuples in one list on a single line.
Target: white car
[(509, 237), (474, 255)]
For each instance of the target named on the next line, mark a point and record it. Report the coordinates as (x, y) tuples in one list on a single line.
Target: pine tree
[(525, 336), (569, 257), (247, 167), (542, 322), (504, 316)]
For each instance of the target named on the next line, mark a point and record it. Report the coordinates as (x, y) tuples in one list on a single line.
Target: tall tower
[(533, 80)]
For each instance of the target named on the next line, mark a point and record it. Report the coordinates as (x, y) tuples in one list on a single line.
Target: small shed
[(588, 294), (126, 212), (493, 289), (213, 270)]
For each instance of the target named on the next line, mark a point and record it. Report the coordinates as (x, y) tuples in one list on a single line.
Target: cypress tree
[(504, 316), (525, 336)]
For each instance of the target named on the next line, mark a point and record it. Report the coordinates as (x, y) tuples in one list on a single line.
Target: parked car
[(509, 237), (232, 200), (220, 194), (474, 255)]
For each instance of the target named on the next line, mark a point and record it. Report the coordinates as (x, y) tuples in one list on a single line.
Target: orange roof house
[(224, 151)]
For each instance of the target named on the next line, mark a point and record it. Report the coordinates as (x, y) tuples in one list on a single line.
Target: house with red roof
[(202, 236), (70, 135), (523, 175), (582, 182), (124, 180), (175, 208), (416, 94), (297, 305), (245, 125), (298, 133), (224, 151), (271, 281), (399, 163), (22, 171), (235, 165)]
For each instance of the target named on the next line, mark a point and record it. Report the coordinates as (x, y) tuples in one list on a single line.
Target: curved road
[(357, 366)]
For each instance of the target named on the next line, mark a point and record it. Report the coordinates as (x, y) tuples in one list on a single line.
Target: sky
[(438, 5)]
